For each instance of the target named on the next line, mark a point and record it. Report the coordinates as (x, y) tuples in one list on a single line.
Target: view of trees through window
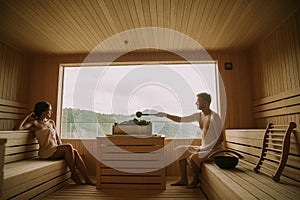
[(96, 97)]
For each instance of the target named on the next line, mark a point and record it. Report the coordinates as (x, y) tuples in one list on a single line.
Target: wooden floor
[(72, 191)]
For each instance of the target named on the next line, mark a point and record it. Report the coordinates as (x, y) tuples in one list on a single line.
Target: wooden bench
[(25, 175), (242, 182)]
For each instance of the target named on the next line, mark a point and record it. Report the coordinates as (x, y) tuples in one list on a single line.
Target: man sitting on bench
[(212, 139)]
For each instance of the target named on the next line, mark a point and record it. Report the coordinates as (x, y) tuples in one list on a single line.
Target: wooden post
[(2, 153)]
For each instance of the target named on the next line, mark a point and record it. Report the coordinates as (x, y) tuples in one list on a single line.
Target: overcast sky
[(128, 89)]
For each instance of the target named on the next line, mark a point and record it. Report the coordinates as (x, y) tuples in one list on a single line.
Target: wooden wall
[(14, 79), (276, 67), (44, 85), (238, 87)]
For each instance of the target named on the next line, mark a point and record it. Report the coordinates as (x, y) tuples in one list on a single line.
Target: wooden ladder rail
[(284, 152)]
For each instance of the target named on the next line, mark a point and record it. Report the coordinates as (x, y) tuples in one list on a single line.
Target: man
[(211, 134)]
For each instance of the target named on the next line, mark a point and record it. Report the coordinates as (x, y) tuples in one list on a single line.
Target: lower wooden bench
[(33, 178), (243, 183), (25, 176)]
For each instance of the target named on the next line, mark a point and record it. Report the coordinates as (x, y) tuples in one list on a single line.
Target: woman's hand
[(31, 114), (24, 123)]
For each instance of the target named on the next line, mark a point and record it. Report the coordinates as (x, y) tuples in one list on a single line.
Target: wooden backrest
[(277, 105), (249, 143), (275, 148), (10, 111), (20, 145)]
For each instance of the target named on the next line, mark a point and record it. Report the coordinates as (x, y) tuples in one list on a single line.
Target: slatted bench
[(25, 175), (242, 182)]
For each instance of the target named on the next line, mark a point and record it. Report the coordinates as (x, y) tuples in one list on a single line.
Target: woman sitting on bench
[(51, 146)]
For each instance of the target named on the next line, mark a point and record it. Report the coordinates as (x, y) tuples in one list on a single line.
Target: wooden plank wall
[(14, 79), (44, 86), (11, 112), (238, 87), (276, 67)]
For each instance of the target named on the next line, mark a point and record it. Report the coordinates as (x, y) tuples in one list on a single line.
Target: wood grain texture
[(124, 159), (25, 175), (88, 149), (67, 27), (276, 68), (242, 183), (14, 83), (72, 191), (20, 145), (249, 144)]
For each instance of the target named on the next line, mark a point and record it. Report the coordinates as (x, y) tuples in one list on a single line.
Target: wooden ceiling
[(78, 26)]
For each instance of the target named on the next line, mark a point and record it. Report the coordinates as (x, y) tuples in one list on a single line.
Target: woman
[(51, 146)]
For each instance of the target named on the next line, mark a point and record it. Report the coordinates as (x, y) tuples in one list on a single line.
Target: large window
[(96, 97)]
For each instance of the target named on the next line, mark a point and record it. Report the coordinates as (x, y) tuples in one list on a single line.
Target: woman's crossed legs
[(74, 161)]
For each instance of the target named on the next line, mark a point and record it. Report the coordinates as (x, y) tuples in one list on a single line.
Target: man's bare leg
[(183, 179), (196, 173)]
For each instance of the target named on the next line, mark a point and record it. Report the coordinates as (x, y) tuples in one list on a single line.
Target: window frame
[(64, 65)]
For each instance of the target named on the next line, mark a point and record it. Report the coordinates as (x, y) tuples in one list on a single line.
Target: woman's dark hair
[(41, 107)]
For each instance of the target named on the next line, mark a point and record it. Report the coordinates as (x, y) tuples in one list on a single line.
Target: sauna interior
[(260, 39)]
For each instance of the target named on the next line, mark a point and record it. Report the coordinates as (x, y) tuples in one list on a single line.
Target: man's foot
[(180, 183)]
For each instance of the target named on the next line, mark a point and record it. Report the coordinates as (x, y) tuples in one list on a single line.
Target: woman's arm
[(59, 142), (24, 123)]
